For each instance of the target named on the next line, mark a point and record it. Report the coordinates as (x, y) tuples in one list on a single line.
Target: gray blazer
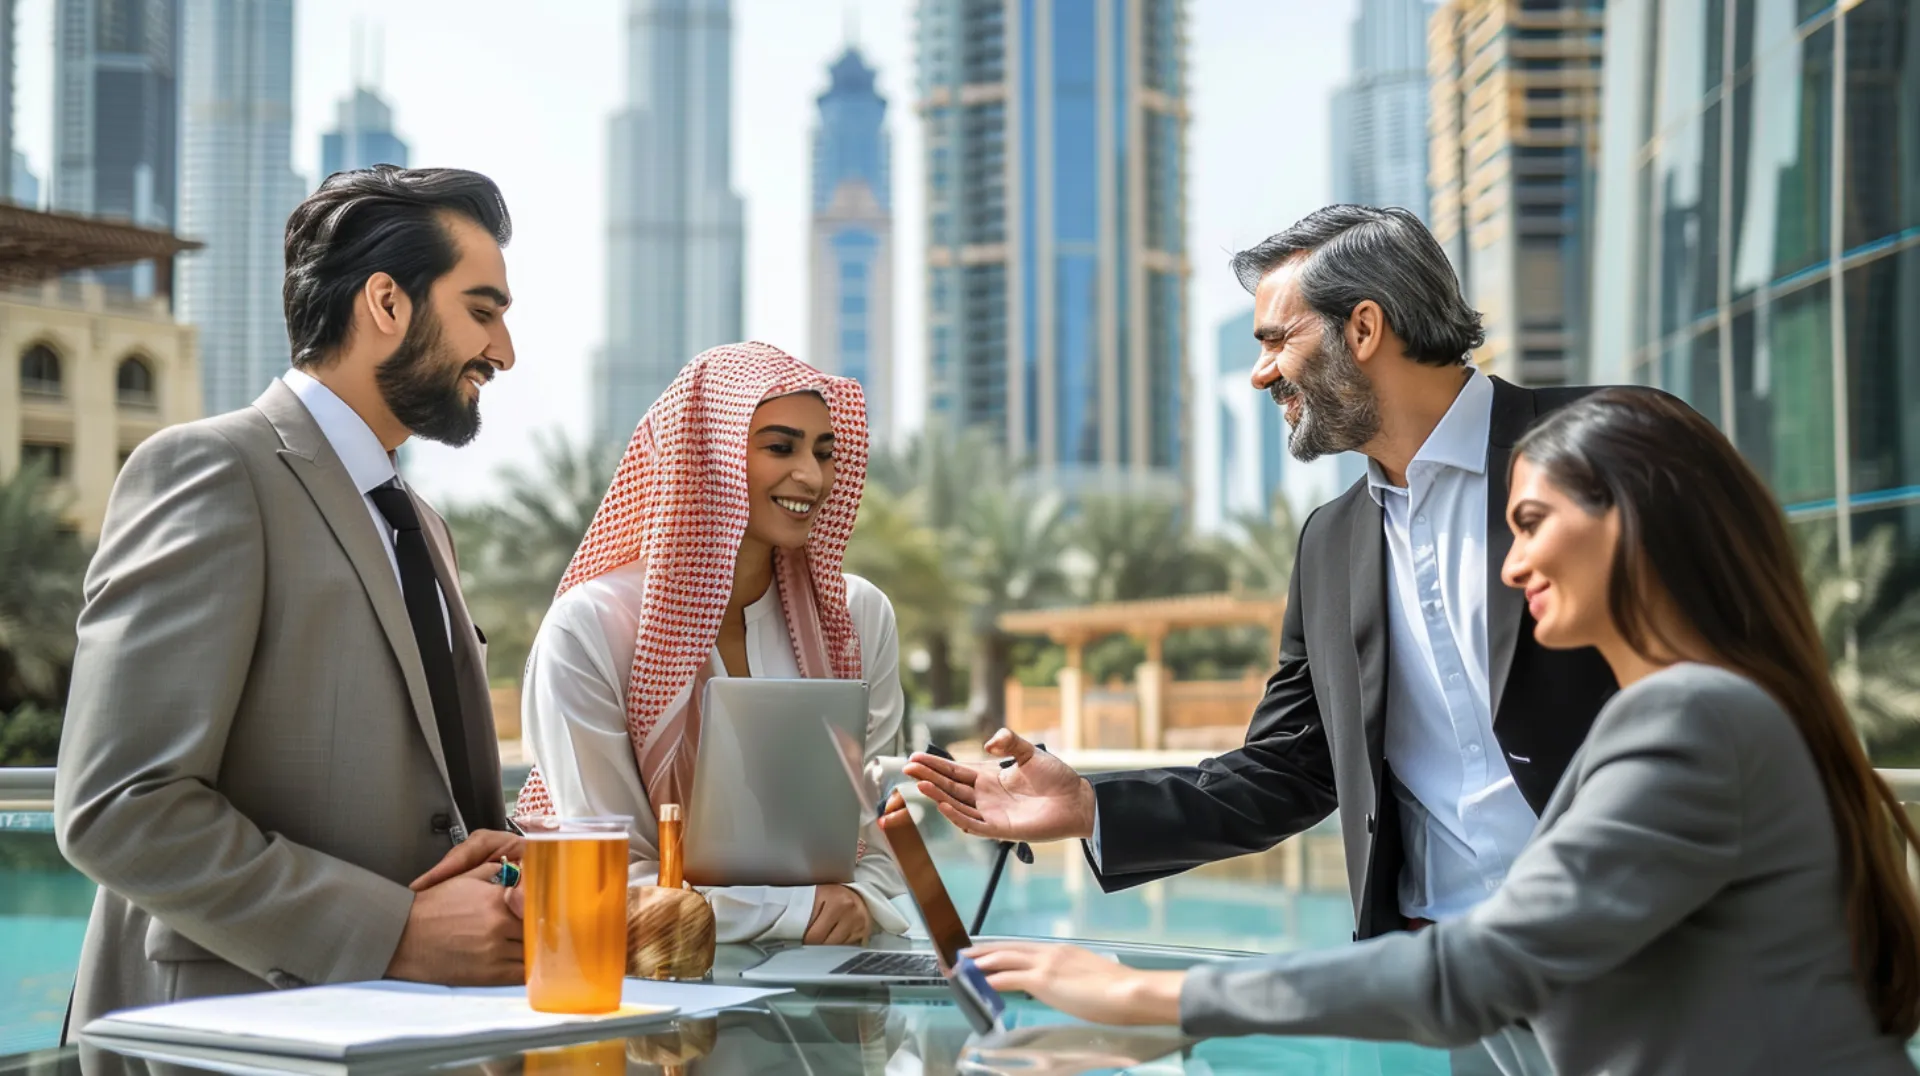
[(250, 766), (1678, 911)]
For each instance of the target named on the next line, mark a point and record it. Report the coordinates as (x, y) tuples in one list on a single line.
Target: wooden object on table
[(670, 933)]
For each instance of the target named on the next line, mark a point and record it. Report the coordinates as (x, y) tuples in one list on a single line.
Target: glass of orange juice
[(575, 874)]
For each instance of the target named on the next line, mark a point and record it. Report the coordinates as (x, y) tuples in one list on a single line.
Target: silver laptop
[(771, 804), (887, 960)]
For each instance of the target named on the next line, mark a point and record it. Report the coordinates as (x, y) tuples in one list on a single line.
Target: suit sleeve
[(1153, 823), (1651, 834), (166, 638)]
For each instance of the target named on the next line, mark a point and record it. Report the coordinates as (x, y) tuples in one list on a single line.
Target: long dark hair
[(1698, 526)]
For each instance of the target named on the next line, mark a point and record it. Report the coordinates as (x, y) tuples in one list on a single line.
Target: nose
[(1266, 369), (1514, 571), (500, 345)]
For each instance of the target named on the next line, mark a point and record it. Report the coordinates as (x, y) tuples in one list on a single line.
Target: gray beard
[(1338, 409)]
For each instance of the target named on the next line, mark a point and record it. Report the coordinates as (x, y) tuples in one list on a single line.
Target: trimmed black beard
[(422, 387)]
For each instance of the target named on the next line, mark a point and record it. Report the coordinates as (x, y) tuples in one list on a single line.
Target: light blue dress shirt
[(1462, 818)]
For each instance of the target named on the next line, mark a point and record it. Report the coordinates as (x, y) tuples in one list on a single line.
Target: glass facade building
[(237, 188), (116, 111), (1056, 214), (676, 235), (1759, 249), (1515, 124), (851, 262), (362, 137), (1380, 116)]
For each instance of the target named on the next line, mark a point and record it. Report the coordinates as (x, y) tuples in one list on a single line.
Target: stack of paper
[(368, 1021)]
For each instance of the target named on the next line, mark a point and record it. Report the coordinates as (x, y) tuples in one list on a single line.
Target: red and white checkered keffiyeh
[(679, 503)]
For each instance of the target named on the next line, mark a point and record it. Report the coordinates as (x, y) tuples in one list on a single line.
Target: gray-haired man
[(1410, 695)]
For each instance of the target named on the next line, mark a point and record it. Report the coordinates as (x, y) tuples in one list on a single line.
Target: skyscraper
[(675, 241), (115, 141), (362, 135), (1380, 116), (1516, 132), (238, 186), (1056, 231), (1759, 254), (851, 264)]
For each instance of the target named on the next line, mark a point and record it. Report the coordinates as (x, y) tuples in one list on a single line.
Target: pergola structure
[(1150, 622), (36, 246)]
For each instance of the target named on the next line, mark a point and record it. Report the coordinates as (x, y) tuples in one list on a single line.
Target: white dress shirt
[(574, 716), (366, 460), (1461, 817)]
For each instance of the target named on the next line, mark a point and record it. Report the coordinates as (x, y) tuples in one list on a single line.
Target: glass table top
[(884, 1032)]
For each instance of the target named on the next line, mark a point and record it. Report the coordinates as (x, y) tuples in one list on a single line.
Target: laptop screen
[(944, 927)]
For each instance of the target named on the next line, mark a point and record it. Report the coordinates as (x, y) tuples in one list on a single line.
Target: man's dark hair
[(373, 220), (1355, 253)]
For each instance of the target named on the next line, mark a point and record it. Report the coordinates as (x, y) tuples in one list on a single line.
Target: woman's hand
[(840, 917), (1083, 984)]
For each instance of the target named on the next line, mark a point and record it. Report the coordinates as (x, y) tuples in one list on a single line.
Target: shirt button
[(1473, 749), (1421, 518)]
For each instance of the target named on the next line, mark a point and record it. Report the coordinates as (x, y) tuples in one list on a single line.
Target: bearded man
[(1410, 693), (278, 760)]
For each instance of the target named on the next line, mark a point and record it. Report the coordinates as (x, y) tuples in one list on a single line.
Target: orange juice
[(575, 872)]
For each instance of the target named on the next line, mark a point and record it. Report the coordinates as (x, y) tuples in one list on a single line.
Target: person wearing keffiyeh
[(716, 552)]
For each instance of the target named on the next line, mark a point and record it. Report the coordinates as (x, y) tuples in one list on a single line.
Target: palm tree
[(893, 549), (1128, 548), (1873, 643), (514, 550), (1261, 548), (1009, 549), (40, 590)]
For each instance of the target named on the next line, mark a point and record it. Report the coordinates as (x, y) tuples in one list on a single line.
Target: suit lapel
[(1368, 609), (1513, 412), (313, 461)]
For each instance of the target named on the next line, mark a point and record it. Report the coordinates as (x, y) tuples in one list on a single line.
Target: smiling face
[(789, 468), (1310, 371), (1562, 558), (455, 343)]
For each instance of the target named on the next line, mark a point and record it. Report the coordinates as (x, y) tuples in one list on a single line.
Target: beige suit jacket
[(250, 767)]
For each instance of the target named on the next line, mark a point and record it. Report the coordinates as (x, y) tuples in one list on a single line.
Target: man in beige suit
[(278, 760)]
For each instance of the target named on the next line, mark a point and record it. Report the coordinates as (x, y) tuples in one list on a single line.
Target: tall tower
[(1056, 232), (1380, 116), (675, 243), (362, 134), (115, 112), (850, 312), (1515, 123), (238, 186)]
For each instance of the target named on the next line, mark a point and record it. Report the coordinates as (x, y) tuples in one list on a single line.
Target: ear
[(384, 306), (1366, 329)]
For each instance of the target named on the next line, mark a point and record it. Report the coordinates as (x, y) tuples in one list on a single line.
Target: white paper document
[(365, 1020)]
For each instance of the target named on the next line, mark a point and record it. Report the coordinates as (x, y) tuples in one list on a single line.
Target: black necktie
[(421, 588)]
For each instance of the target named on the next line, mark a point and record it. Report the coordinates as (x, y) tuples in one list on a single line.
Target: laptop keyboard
[(893, 966)]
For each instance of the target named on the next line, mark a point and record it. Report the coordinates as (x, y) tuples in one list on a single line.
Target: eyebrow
[(487, 291), (789, 431)]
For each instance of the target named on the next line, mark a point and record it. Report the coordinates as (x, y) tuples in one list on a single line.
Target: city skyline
[(543, 139)]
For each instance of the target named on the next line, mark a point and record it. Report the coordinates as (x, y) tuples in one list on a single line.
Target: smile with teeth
[(797, 507)]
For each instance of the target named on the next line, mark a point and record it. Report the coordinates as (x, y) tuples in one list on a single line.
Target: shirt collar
[(1459, 441), (367, 462)]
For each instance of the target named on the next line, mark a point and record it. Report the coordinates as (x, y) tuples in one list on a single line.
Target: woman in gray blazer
[(1711, 889)]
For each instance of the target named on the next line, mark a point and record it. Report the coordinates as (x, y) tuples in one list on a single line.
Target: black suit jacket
[(1315, 742)]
